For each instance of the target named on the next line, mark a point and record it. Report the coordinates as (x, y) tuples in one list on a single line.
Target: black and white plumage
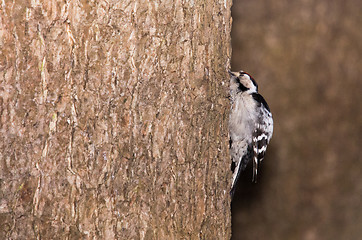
[(250, 125)]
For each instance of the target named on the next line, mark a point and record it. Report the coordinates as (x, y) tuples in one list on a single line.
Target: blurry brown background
[(306, 57)]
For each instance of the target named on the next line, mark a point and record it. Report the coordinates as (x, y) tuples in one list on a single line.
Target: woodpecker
[(250, 125)]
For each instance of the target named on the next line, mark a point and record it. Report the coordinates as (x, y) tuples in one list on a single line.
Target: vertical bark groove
[(113, 119)]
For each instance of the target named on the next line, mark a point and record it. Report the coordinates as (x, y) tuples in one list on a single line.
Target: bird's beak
[(232, 74)]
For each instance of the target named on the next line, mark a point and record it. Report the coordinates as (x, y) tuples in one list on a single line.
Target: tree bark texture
[(113, 119)]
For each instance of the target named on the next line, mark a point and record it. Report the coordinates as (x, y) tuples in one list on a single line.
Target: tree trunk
[(113, 120)]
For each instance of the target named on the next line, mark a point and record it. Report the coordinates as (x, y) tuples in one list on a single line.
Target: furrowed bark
[(113, 120)]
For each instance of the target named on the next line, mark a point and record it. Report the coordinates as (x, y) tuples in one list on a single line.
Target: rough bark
[(113, 119)]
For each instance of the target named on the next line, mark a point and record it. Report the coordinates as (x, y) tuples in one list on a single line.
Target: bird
[(250, 125)]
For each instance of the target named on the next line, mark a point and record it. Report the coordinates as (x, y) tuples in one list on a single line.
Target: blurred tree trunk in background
[(306, 57), (113, 120)]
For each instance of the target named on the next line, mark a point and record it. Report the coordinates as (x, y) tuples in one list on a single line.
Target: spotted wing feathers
[(260, 143)]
